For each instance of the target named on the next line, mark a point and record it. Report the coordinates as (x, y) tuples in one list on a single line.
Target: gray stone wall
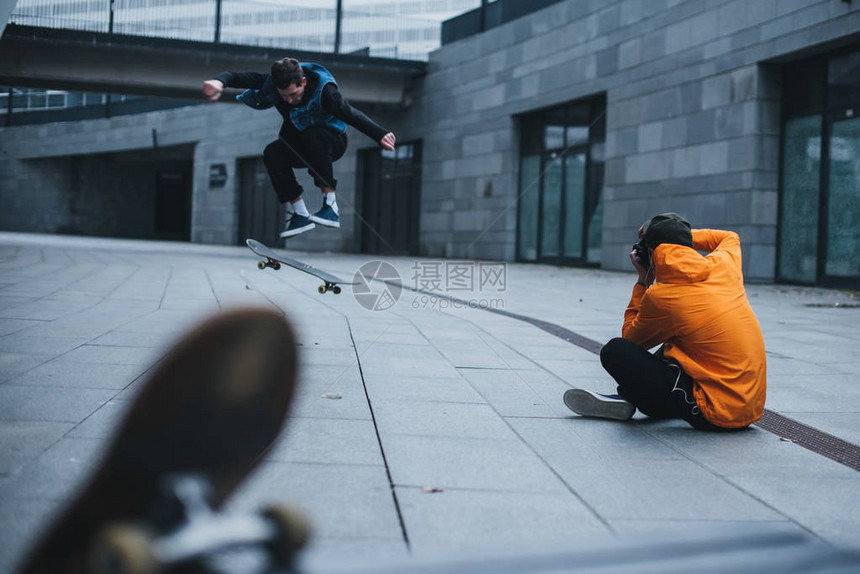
[(693, 115), (42, 176)]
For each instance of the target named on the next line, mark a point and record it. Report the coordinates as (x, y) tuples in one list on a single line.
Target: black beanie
[(667, 228)]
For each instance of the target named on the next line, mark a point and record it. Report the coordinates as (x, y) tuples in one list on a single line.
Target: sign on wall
[(217, 175)]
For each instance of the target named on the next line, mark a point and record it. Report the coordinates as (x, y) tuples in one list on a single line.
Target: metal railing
[(331, 26)]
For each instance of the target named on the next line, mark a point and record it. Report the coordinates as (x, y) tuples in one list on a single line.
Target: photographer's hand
[(646, 275)]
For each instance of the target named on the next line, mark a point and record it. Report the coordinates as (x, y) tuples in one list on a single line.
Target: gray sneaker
[(589, 404)]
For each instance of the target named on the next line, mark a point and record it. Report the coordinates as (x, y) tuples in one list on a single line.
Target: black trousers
[(317, 147), (655, 384)]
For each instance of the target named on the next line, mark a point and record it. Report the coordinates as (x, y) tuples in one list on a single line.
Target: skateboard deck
[(331, 282), (200, 423)]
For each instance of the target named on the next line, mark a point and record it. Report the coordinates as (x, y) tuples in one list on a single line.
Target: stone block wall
[(693, 115), (49, 169)]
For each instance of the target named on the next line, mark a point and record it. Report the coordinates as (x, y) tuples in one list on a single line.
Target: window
[(819, 221), (560, 208)]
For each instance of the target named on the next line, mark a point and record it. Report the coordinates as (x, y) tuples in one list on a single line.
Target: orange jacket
[(699, 309)]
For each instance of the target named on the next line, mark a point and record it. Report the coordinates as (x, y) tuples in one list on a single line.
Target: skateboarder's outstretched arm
[(213, 88), (334, 103)]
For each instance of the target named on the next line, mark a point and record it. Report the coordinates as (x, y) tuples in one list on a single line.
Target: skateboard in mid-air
[(331, 282), (200, 423)]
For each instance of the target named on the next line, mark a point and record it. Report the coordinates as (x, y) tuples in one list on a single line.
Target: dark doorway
[(173, 206), (261, 215), (389, 193)]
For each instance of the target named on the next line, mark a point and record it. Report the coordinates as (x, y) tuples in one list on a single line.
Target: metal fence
[(406, 30)]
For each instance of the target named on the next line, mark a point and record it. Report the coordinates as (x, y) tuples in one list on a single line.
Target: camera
[(641, 253)]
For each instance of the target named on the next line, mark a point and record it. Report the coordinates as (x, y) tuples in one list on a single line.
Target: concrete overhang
[(80, 61)]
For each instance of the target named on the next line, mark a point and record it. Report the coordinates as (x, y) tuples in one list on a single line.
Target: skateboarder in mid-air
[(313, 134)]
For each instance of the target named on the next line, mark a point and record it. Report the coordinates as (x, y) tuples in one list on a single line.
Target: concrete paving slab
[(10, 326), (582, 440), (473, 463), (384, 388), (342, 501), (457, 519), (533, 393), (438, 419), (25, 344), (322, 552), (43, 310), (123, 338), (112, 355), (749, 452), (331, 399), (825, 506), (55, 404), (23, 521), (664, 489), (102, 423), (328, 441), (385, 362), (13, 364), (66, 372), (57, 473), (23, 441)]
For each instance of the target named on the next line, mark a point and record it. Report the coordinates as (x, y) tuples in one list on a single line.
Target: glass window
[(553, 137), (554, 128), (528, 207), (551, 208), (801, 164), (56, 100), (594, 233), (843, 201), (574, 204), (577, 135)]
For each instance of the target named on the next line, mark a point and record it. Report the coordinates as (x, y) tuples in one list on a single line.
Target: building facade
[(549, 138)]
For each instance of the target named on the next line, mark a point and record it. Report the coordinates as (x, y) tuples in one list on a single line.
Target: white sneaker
[(589, 404)]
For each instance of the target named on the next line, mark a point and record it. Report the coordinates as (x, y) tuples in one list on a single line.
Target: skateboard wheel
[(322, 289), (336, 290), (123, 549), (261, 265), (293, 531), (276, 266)]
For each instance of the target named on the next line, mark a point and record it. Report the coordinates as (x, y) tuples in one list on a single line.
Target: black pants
[(317, 147), (655, 384)]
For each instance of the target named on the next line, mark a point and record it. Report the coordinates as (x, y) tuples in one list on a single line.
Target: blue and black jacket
[(322, 103)]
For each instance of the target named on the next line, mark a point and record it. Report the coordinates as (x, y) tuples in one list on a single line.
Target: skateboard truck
[(270, 263), (329, 287), (202, 533)]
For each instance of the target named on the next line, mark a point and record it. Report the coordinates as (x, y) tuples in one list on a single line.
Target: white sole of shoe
[(285, 234), (590, 404), (324, 222)]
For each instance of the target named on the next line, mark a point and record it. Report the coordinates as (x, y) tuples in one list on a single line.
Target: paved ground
[(449, 431)]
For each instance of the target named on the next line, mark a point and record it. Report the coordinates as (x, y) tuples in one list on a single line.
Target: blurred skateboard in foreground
[(202, 421)]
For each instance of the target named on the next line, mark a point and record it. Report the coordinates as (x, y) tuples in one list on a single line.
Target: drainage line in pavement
[(790, 430), (379, 441)]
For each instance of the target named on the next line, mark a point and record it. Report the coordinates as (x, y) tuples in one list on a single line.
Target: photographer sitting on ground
[(710, 370)]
